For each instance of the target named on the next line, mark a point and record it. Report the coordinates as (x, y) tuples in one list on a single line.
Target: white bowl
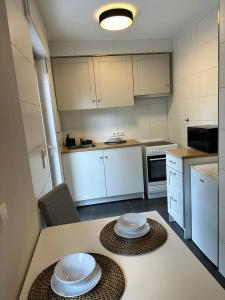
[(74, 268), (132, 222)]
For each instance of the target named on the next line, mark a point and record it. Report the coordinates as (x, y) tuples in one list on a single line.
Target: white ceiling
[(70, 20)]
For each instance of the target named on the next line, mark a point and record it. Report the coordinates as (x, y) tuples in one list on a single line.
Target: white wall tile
[(208, 56), (18, 28), (195, 78), (208, 82), (139, 131), (222, 188), (98, 117), (39, 174), (208, 28), (98, 134), (71, 119), (208, 108), (222, 108), (136, 114), (159, 129), (222, 149), (222, 21), (186, 88), (25, 76), (158, 112), (33, 127), (222, 65)]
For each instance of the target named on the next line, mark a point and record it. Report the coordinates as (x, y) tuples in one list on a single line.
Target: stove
[(154, 163)]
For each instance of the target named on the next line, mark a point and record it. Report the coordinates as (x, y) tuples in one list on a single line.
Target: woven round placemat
[(110, 287), (119, 245)]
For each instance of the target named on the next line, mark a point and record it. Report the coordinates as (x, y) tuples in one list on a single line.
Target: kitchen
[(117, 114)]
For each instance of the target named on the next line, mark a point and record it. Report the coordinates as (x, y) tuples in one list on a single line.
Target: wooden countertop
[(210, 170), (101, 146), (186, 153)]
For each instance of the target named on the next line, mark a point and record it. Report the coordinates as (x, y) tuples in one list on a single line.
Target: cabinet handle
[(173, 173), (101, 157), (106, 157), (173, 199), (168, 85), (93, 100), (172, 162), (99, 100), (202, 180)]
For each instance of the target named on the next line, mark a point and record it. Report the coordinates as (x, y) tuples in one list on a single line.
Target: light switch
[(3, 214)]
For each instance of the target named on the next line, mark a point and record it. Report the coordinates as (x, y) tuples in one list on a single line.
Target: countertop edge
[(102, 146), (189, 155)]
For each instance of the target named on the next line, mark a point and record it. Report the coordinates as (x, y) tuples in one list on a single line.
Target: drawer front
[(175, 205), (174, 179), (222, 225), (174, 162)]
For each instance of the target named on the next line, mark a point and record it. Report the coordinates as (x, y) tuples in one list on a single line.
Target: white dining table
[(170, 272)]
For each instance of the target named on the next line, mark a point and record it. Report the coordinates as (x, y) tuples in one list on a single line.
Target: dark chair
[(57, 207)]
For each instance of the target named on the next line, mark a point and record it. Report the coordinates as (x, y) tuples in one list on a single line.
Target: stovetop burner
[(157, 143)]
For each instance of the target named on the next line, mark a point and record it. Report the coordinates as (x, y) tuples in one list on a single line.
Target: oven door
[(156, 168)]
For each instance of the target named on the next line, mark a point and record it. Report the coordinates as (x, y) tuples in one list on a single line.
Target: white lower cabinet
[(204, 200), (179, 188), (84, 174), (103, 173), (123, 171), (175, 195)]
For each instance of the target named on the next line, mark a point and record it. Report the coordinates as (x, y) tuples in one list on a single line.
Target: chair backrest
[(57, 207)]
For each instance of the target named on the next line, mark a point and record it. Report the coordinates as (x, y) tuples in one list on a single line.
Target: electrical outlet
[(118, 133), (3, 214)]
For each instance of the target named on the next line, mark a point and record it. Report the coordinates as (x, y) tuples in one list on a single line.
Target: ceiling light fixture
[(116, 19)]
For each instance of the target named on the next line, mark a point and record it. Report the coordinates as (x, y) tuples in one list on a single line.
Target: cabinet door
[(74, 83), (175, 205), (123, 171), (175, 193), (204, 204), (84, 174), (151, 74), (114, 82)]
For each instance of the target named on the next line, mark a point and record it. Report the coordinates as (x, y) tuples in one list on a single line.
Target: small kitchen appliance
[(203, 138)]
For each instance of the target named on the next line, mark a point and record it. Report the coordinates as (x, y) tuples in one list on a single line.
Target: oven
[(156, 168), (154, 165)]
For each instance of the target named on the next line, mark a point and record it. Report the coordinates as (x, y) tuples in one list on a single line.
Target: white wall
[(195, 78), (19, 236), (147, 120), (28, 95), (222, 140)]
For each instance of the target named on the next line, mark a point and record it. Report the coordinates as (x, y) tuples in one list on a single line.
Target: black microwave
[(204, 138)]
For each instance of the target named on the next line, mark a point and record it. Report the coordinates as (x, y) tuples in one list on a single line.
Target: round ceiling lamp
[(116, 19)]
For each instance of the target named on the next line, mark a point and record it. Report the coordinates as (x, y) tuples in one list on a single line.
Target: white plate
[(65, 290), (130, 235)]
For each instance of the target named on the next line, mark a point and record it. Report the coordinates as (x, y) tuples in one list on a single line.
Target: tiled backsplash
[(146, 120), (195, 78)]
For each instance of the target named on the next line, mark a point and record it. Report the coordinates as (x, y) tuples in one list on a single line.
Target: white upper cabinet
[(109, 81), (151, 74), (74, 83), (114, 82)]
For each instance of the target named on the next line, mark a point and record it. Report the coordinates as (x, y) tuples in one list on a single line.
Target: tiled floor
[(97, 211)]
